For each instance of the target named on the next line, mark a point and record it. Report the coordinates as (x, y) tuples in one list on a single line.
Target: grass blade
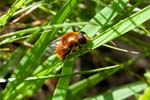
[(121, 93), (10, 12), (63, 83)]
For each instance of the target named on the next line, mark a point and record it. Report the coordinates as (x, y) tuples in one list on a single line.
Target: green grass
[(112, 21)]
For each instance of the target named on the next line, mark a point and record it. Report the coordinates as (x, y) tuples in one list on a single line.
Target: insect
[(68, 42)]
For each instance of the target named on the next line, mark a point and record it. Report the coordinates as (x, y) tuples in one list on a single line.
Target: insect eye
[(82, 38)]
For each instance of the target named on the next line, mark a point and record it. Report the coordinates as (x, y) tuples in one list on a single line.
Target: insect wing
[(50, 50)]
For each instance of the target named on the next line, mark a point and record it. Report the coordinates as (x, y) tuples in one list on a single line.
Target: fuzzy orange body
[(69, 42)]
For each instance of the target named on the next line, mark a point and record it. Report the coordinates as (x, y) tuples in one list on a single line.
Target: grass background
[(114, 64)]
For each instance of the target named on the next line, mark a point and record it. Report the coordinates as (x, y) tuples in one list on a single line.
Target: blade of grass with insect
[(121, 93), (30, 61), (111, 15), (108, 13), (117, 30), (59, 84), (10, 12), (107, 41), (58, 92)]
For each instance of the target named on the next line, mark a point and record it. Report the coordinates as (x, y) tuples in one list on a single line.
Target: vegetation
[(113, 65)]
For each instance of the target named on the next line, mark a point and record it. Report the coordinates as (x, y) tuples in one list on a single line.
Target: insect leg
[(64, 56)]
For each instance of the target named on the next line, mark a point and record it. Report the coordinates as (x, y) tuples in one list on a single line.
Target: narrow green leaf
[(10, 12), (105, 16), (146, 95), (121, 93), (62, 85), (122, 27)]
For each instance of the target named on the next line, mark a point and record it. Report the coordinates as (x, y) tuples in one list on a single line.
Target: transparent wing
[(50, 50)]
